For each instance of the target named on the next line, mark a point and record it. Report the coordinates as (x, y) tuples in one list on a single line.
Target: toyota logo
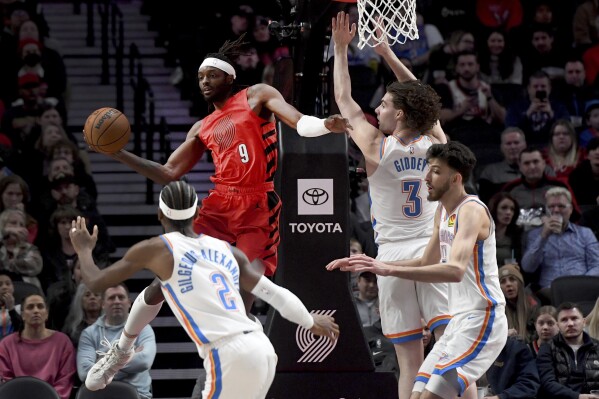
[(315, 196)]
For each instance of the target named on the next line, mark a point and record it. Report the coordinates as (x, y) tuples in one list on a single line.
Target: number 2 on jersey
[(224, 291), (243, 153), (413, 205)]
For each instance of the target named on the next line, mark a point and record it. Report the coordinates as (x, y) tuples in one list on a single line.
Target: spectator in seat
[(496, 175), (537, 112), (9, 312), (545, 320), (14, 193), (106, 332), (17, 255), (508, 235), (498, 63), (85, 309), (559, 247), (442, 58), (575, 92), (58, 254), (470, 113), (591, 112), (38, 351), (64, 191), (543, 54), (514, 374), (520, 305), (51, 70), (584, 179), (569, 364), (367, 299), (563, 154), (529, 191)]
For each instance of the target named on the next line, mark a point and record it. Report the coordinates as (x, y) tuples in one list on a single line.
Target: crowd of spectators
[(45, 182)]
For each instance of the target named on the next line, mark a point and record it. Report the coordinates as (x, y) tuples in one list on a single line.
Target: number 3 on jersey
[(243, 153), (224, 291), (413, 206)]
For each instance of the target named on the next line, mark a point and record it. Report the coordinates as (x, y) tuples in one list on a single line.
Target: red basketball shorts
[(245, 217)]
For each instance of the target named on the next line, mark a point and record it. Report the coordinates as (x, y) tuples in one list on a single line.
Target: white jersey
[(479, 289), (203, 290), (399, 207)]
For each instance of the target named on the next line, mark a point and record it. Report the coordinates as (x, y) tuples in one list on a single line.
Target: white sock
[(141, 315)]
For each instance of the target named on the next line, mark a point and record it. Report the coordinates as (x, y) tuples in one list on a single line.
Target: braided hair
[(230, 50), (179, 195)]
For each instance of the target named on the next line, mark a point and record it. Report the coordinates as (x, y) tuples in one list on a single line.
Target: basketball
[(107, 130)]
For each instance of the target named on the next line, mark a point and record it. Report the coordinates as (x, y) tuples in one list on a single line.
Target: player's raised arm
[(402, 74), (283, 300), (179, 163), (366, 136), (383, 49), (135, 259)]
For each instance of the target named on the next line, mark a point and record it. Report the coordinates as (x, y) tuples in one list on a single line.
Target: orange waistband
[(258, 188)]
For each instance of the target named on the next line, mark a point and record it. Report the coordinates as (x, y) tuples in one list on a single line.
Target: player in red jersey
[(243, 207)]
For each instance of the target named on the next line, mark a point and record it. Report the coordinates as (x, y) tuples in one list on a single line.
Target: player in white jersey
[(461, 252), (200, 277), (402, 218)]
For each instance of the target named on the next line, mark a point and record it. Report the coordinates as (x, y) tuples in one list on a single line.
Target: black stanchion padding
[(313, 183)]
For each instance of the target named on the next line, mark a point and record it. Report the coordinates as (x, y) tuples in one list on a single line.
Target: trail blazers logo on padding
[(315, 349)]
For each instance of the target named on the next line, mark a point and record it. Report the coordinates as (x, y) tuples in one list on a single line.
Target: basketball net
[(396, 17)]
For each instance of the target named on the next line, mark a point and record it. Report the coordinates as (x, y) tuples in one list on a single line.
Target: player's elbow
[(457, 274)]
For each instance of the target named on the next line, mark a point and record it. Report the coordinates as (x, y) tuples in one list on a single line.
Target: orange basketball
[(107, 130)]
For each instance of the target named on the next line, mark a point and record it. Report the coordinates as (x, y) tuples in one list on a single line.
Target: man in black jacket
[(569, 364)]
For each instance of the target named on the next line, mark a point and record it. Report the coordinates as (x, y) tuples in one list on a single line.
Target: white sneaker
[(102, 373)]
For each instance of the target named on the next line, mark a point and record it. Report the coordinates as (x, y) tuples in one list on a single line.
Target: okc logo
[(315, 349), (315, 196)]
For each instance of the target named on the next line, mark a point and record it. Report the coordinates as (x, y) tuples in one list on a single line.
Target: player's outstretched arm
[(306, 126), (179, 163), (283, 300), (142, 255), (366, 136)]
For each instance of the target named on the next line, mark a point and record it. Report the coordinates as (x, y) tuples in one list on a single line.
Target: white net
[(397, 18)]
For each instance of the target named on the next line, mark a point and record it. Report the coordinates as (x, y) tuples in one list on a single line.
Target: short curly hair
[(421, 104)]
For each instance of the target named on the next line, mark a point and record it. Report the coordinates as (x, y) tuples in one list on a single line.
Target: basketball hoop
[(397, 18)]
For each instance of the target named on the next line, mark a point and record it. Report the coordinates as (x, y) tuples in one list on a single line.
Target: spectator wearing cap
[(520, 305), (591, 112), (584, 179), (559, 247), (50, 69), (367, 299)]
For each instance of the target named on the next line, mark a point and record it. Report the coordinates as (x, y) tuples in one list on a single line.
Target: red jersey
[(244, 146)]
